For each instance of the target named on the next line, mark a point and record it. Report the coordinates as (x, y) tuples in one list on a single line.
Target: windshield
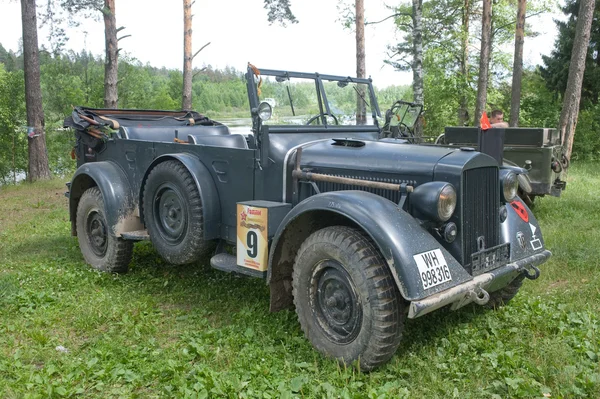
[(312, 99)]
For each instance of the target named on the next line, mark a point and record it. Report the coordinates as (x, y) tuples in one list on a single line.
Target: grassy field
[(164, 331)]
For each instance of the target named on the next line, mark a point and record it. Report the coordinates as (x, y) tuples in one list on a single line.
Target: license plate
[(489, 259), (433, 268)]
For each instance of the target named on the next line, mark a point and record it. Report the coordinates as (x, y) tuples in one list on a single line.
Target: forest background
[(76, 78)]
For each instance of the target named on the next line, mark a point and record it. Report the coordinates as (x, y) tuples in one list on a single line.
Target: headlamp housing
[(436, 200), (509, 185)]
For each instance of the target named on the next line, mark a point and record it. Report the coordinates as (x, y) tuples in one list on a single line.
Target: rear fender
[(120, 206), (211, 206), (397, 235)]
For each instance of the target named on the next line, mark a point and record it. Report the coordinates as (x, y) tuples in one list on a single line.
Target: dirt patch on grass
[(557, 284)]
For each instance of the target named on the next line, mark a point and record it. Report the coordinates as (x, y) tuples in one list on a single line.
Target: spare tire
[(173, 213)]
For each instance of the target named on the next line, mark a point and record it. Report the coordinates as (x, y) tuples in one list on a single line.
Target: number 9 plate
[(433, 268)]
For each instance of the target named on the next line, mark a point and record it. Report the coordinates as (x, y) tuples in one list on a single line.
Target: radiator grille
[(480, 209), (393, 196)]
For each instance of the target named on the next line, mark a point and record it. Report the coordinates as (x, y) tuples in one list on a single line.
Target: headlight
[(436, 200), (509, 184), (265, 111)]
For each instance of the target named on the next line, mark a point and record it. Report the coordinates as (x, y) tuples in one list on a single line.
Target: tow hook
[(479, 296), (531, 272)]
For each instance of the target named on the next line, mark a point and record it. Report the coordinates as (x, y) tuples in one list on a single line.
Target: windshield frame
[(318, 78)]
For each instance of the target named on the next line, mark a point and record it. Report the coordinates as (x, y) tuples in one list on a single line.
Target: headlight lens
[(435, 200), (265, 111), (510, 185), (446, 202)]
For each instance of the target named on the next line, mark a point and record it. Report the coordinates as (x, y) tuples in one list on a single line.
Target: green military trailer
[(537, 150)]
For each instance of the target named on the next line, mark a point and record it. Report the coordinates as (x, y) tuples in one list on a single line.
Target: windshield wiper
[(291, 102), (361, 96)]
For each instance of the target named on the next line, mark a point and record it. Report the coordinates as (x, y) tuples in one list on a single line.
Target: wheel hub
[(337, 308), (171, 214), (97, 234)]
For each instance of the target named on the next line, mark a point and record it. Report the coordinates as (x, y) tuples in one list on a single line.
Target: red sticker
[(521, 211)]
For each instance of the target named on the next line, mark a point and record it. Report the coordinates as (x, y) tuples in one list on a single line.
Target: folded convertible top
[(83, 118)]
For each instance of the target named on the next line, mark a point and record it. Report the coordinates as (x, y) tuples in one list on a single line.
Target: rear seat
[(230, 140), (167, 133)]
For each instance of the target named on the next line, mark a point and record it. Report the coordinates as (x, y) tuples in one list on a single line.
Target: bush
[(586, 145)]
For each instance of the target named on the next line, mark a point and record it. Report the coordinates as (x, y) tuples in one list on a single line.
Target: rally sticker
[(433, 268), (252, 238)]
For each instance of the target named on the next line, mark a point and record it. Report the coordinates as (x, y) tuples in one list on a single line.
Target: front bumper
[(468, 292)]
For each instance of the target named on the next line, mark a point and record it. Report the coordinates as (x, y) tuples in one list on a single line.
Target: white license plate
[(433, 268)]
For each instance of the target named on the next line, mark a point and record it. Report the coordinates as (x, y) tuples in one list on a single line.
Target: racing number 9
[(252, 244)]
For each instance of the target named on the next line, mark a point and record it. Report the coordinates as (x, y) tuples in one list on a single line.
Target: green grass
[(191, 331)]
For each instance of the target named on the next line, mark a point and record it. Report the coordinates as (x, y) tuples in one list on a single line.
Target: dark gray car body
[(229, 169)]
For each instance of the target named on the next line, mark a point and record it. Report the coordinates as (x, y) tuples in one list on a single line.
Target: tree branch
[(515, 21), (201, 48), (399, 14), (123, 37), (197, 72)]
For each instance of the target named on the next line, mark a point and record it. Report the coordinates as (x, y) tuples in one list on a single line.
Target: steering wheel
[(311, 120)]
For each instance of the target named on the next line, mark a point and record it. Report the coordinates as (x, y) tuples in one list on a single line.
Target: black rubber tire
[(527, 199), (173, 213), (504, 295), (101, 250), (340, 264)]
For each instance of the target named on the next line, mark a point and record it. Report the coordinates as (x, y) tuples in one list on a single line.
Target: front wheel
[(100, 249), (346, 299), (504, 295)]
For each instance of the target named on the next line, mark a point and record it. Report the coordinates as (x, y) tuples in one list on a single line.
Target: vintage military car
[(354, 232)]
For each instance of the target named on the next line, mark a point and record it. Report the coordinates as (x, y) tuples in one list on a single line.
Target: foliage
[(279, 11), (556, 69), (13, 137), (587, 137), (192, 331)]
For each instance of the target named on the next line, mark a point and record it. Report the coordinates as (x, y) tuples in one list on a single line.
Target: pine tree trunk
[(361, 109), (515, 98), (186, 101), (572, 97), (417, 65), (111, 96), (38, 155), (463, 114), (484, 60)]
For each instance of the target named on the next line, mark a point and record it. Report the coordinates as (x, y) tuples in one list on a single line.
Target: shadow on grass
[(439, 324)]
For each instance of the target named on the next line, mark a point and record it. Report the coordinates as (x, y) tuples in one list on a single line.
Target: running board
[(138, 235), (228, 263)]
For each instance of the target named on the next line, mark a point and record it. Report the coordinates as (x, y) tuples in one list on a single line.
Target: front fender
[(119, 201), (522, 230), (396, 233), (211, 206)]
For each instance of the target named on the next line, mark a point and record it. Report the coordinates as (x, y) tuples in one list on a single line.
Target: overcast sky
[(239, 33)]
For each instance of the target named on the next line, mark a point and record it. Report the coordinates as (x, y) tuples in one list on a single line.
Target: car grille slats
[(480, 210)]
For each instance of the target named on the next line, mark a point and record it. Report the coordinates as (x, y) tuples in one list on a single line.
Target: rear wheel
[(504, 295), (173, 213), (102, 250), (346, 299)]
